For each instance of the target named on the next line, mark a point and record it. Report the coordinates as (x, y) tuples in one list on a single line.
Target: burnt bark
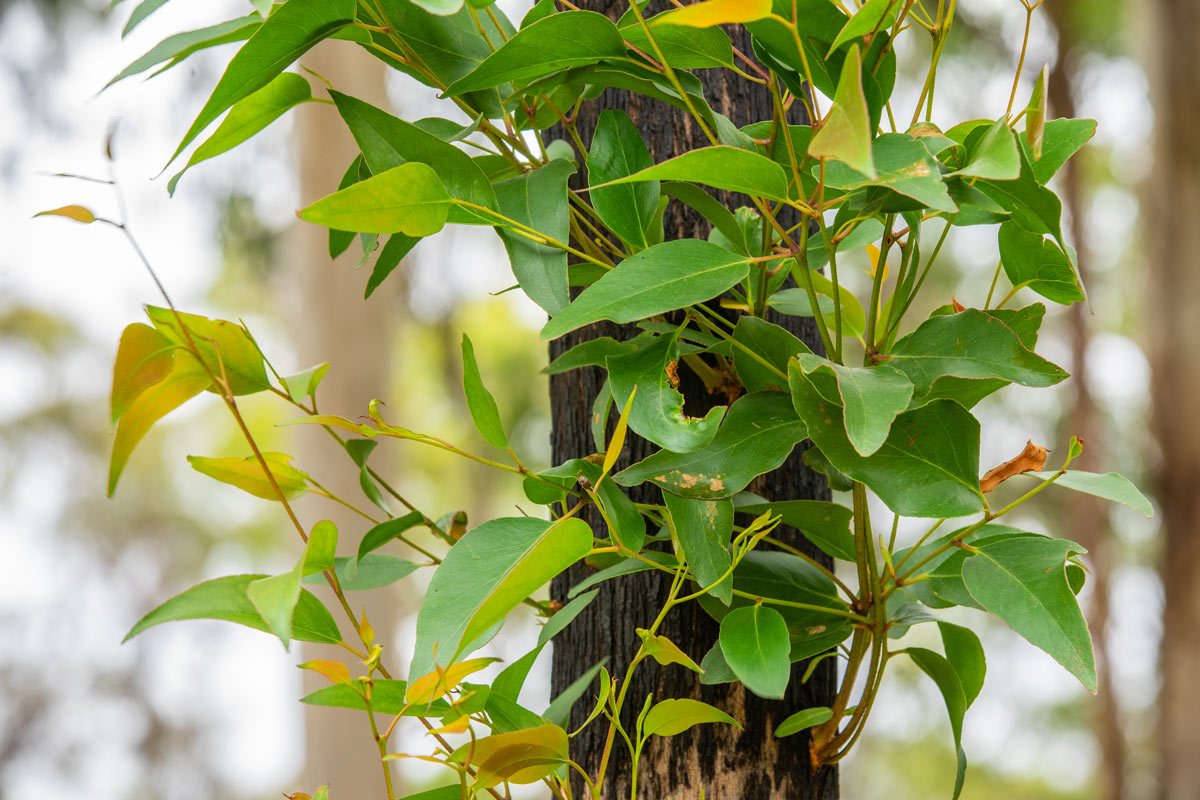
[(750, 764)]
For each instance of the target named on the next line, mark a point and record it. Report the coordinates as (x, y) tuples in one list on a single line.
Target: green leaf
[(721, 167), (485, 575), (1038, 263), (994, 154), (626, 566), (969, 344), (480, 401), (618, 151), (225, 599), (321, 549), (440, 7), (770, 343), (304, 384), (661, 278), (903, 165), (1061, 139), (385, 532), (594, 352), (628, 526), (874, 17), (803, 720), (965, 653), (522, 756), (755, 643), (512, 678), (1035, 116), (181, 45), (369, 572), (664, 651), (846, 134), (247, 474), (397, 247), (710, 208), (555, 43), (185, 380), (227, 350), (283, 37), (825, 524), (143, 10), (1023, 581), (249, 116), (387, 697), (657, 412), (760, 431), (943, 674), (929, 465), (1109, 486), (559, 710), (538, 199), (407, 199), (703, 529), (676, 715), (275, 598), (1034, 207), (682, 47), (871, 399)]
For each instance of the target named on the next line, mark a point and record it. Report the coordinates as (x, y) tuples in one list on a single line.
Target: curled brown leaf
[(1031, 459)]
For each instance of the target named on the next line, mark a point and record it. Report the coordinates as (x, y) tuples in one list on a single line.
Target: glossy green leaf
[(247, 474), (283, 37), (661, 278), (275, 598), (480, 402), (1109, 486), (249, 116), (385, 532), (179, 46), (903, 165), (657, 411), (710, 208), (825, 524), (1023, 581), (760, 431), (627, 525), (1061, 139), (969, 344), (143, 10), (227, 350), (538, 199), (387, 697), (626, 566), (407, 199), (485, 575), (676, 715), (551, 44), (703, 529), (943, 674), (803, 720), (929, 465), (721, 167), (512, 677), (664, 651), (1035, 115), (185, 380), (618, 151), (994, 155), (846, 133), (682, 47), (871, 399), (559, 710), (769, 343), (755, 643), (874, 17), (1030, 260), (225, 599)]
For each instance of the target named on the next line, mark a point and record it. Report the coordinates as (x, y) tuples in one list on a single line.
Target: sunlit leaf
[(407, 199), (676, 715), (803, 720), (708, 13), (755, 643), (247, 474), (1109, 486), (77, 213), (846, 132)]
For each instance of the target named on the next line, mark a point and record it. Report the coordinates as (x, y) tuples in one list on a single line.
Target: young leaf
[(487, 574), (658, 414), (664, 651), (247, 474), (803, 720), (825, 524), (304, 384), (676, 715), (719, 166), (874, 17), (538, 199), (716, 12), (144, 358), (755, 643), (283, 37), (661, 278), (1023, 580), (332, 671), (994, 154), (1109, 486), (618, 151), (871, 399), (249, 116), (275, 598), (555, 43), (228, 351), (225, 599), (427, 688), (480, 401), (760, 431), (372, 571), (703, 529), (77, 213), (1038, 263), (846, 132), (559, 709), (903, 165), (500, 757), (1061, 139), (1035, 115), (408, 199)]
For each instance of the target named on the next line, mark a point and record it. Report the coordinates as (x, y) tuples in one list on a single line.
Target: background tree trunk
[(1173, 241), (750, 764)]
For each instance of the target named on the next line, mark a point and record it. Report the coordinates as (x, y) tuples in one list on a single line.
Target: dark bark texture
[(724, 762)]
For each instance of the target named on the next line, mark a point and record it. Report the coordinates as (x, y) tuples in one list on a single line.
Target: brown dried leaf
[(1031, 459), (957, 305)]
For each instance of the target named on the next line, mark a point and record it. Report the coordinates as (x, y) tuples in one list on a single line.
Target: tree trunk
[(726, 763), (1173, 240)]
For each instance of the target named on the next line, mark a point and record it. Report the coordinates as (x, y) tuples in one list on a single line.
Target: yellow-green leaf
[(77, 213), (716, 12), (247, 474), (144, 357), (1035, 114), (846, 132), (408, 199), (430, 687), (332, 671), (664, 651), (676, 715), (522, 756)]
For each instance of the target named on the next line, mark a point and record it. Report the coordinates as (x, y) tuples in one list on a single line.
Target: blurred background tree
[(210, 712)]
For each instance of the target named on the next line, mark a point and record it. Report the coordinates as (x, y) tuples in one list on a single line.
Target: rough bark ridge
[(726, 763)]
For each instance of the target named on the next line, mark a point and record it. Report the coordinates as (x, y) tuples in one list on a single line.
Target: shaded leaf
[(559, 709), (871, 397), (703, 529), (943, 674), (480, 401), (803, 720), (770, 343), (1038, 263), (538, 199), (756, 644), (618, 151), (144, 358), (721, 167), (903, 165), (993, 154), (875, 16), (825, 524)]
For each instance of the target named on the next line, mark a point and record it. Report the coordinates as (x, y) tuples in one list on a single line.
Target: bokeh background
[(209, 710)]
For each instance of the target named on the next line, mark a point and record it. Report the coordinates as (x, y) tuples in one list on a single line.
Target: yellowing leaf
[(247, 474), (665, 652), (333, 671), (522, 756), (430, 687), (716, 12), (77, 213), (873, 258), (846, 132), (618, 438), (144, 357)]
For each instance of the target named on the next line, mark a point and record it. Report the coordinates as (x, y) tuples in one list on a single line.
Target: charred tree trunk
[(726, 763)]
